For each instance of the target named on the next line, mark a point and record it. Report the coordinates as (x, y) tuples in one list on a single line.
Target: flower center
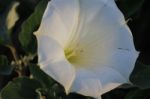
[(73, 54), (70, 53)]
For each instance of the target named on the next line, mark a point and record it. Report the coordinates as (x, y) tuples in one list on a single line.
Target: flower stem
[(19, 67)]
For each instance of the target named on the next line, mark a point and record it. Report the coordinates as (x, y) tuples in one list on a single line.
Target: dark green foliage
[(130, 7), (4, 4), (42, 77), (21, 88), (26, 37), (5, 67), (4, 8), (141, 75), (139, 94)]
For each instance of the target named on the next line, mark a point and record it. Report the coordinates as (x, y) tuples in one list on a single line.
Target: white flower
[(86, 46)]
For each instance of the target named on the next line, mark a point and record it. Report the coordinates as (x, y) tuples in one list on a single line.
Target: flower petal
[(53, 61), (59, 20), (86, 83), (123, 61), (109, 78), (104, 37), (98, 18), (96, 81), (103, 25)]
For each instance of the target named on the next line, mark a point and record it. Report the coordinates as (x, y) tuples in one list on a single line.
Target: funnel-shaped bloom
[(86, 46)]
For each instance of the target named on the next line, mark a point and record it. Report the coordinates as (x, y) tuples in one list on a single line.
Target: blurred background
[(17, 38)]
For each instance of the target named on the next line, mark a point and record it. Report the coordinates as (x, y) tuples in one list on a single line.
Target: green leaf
[(21, 88), (5, 67), (138, 94), (42, 77), (130, 7), (26, 37), (141, 75)]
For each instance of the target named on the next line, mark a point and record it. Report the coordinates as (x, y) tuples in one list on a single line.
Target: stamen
[(72, 54)]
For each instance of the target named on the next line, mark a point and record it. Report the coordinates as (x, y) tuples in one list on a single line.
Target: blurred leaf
[(130, 7), (12, 16), (6, 19), (42, 77), (4, 35), (141, 75), (21, 88), (139, 94), (5, 67), (26, 37)]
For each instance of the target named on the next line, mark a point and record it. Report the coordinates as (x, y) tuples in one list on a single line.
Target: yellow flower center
[(73, 55)]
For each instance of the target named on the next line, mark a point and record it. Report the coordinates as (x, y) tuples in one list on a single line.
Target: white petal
[(123, 61), (104, 37), (86, 83), (96, 81), (53, 61), (101, 22), (109, 78), (98, 18), (59, 20)]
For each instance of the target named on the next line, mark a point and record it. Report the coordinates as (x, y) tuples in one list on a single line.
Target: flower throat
[(73, 55)]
